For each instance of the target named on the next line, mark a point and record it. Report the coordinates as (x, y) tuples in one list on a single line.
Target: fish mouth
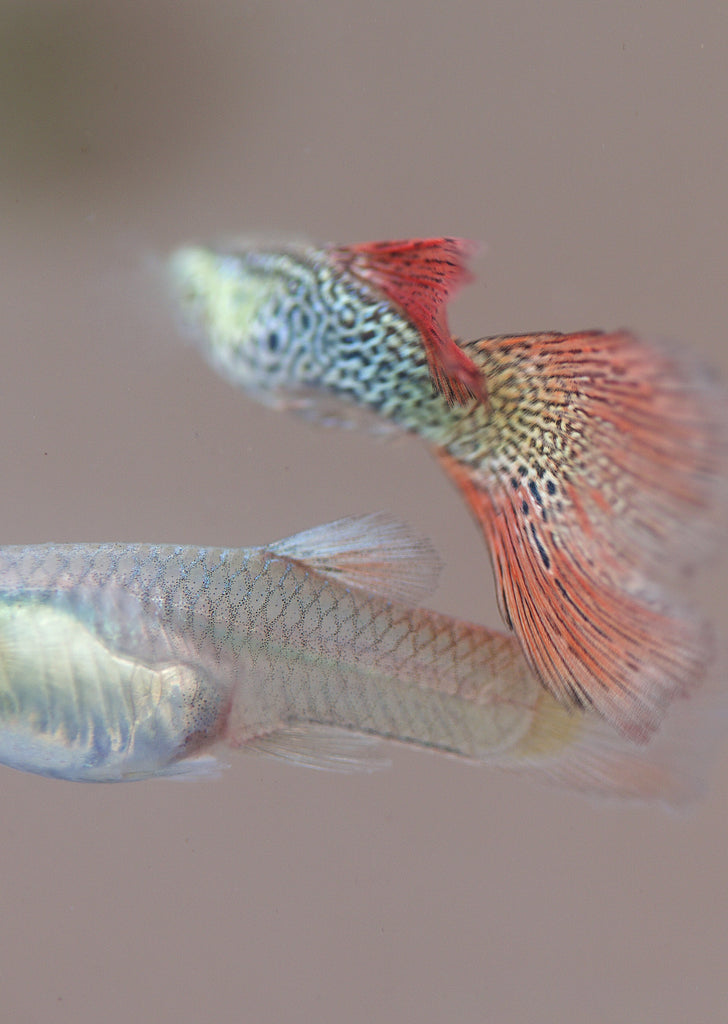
[(215, 300), (187, 271), (190, 272)]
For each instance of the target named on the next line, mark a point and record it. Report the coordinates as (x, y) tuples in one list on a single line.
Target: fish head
[(249, 311)]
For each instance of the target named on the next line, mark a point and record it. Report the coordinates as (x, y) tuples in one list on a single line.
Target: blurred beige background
[(586, 145)]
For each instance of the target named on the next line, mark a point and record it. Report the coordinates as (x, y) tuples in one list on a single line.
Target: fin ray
[(374, 552), (603, 472), (591, 642), (192, 769), (672, 768), (322, 747), (420, 275)]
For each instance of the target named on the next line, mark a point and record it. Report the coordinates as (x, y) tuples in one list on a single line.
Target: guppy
[(594, 462), (123, 662)]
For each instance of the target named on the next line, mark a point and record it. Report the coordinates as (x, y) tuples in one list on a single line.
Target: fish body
[(265, 308), (123, 662), (594, 462)]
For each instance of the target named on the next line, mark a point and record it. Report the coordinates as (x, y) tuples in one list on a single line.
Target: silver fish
[(125, 662)]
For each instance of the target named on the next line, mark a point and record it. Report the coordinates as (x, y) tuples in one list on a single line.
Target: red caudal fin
[(420, 275), (590, 642), (603, 472)]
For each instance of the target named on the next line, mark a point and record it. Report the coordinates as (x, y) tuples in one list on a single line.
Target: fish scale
[(122, 662), (238, 645)]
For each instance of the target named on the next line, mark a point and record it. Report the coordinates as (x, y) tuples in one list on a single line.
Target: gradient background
[(586, 144)]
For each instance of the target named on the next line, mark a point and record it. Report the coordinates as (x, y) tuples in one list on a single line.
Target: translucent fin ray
[(322, 747), (373, 552), (672, 768)]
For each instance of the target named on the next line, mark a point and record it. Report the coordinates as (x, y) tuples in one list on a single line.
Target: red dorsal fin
[(420, 275)]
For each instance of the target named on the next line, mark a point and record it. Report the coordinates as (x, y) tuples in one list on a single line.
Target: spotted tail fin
[(602, 473)]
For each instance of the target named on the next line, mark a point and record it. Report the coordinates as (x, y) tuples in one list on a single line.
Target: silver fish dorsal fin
[(374, 552)]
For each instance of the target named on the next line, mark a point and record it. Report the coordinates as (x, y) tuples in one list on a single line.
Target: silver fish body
[(121, 661)]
